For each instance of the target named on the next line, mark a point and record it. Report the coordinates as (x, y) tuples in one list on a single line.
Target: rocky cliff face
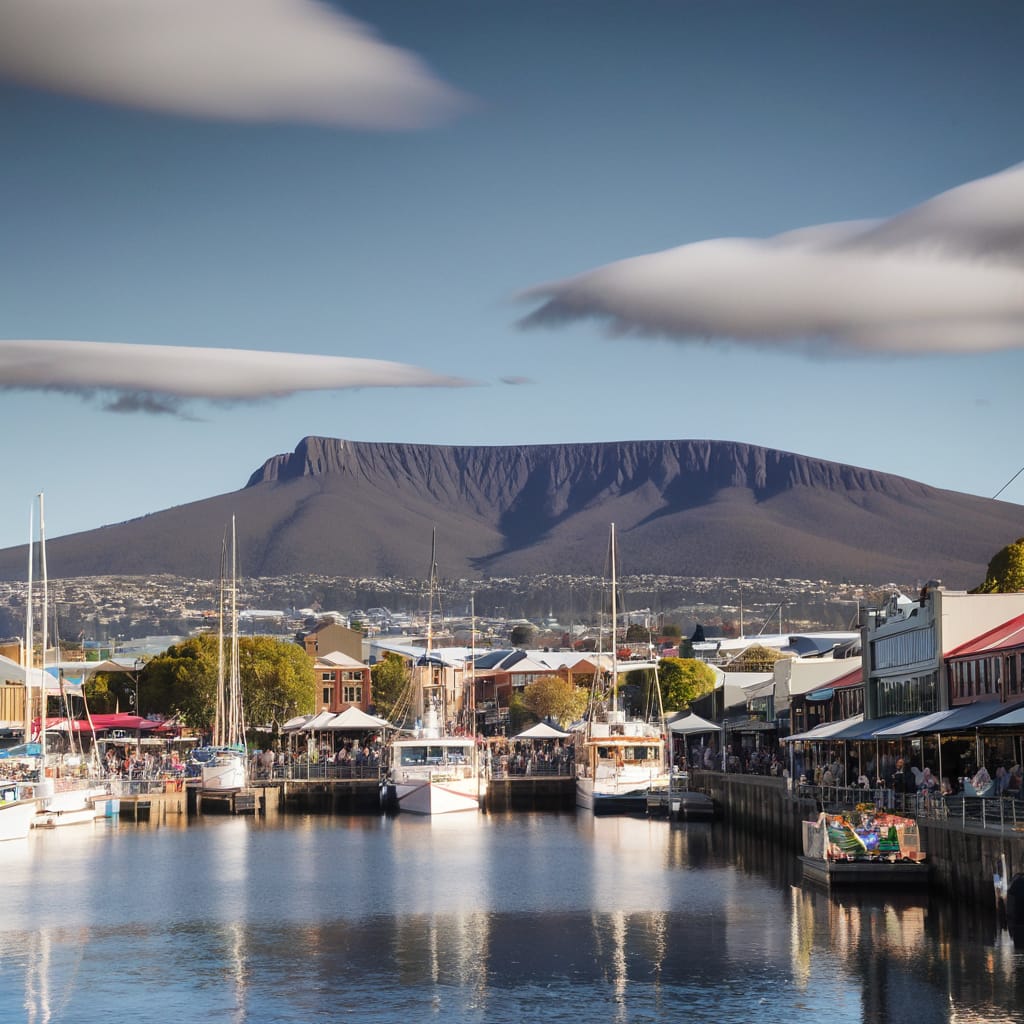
[(691, 508)]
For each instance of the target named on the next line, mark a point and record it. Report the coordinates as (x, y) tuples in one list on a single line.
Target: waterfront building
[(904, 644), (342, 682)]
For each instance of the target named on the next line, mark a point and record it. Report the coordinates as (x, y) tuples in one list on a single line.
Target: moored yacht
[(618, 762)]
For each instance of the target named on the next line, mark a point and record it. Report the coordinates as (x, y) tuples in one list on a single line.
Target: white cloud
[(947, 275), (157, 378), (248, 60)]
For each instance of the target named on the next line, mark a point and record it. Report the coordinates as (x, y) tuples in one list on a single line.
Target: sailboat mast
[(235, 707), (217, 739), (29, 638), (615, 646), (46, 612)]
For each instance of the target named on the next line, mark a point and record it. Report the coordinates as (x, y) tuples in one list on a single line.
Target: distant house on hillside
[(332, 636)]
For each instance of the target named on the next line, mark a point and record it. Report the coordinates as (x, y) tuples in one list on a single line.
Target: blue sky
[(559, 137)]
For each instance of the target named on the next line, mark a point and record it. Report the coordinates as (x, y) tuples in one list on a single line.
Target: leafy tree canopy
[(390, 678), (278, 680), (556, 698), (1005, 573), (684, 680)]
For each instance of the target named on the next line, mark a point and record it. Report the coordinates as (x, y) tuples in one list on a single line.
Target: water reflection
[(476, 918)]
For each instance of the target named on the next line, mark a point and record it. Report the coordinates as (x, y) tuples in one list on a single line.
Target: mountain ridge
[(682, 507)]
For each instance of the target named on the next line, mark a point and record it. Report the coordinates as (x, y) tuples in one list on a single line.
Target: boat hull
[(75, 806), (16, 819), (425, 796), (864, 873), (226, 773)]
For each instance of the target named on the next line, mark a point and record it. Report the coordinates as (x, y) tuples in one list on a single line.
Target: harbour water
[(475, 918)]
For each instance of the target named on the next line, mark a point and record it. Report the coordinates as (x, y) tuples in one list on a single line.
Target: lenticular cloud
[(157, 378), (247, 60), (944, 276)]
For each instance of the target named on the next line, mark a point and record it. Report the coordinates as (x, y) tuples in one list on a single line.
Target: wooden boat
[(870, 847)]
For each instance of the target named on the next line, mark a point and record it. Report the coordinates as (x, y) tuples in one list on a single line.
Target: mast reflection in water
[(471, 918)]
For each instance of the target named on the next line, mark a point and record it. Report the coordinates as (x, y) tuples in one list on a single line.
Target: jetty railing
[(997, 813)]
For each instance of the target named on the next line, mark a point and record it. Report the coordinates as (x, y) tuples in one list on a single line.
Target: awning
[(1007, 719), (753, 725), (871, 728), (826, 694), (919, 723), (826, 731), (966, 717)]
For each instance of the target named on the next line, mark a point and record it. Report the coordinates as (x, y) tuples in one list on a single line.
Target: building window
[(352, 694), (327, 677), (328, 695)]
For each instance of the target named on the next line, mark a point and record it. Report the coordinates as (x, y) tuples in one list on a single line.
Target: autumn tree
[(390, 680), (1005, 573), (756, 658), (684, 680), (556, 698)]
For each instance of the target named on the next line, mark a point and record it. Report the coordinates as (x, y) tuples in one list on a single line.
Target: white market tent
[(692, 724), (541, 731), (353, 718)]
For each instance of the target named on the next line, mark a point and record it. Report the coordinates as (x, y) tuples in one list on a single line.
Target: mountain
[(686, 508)]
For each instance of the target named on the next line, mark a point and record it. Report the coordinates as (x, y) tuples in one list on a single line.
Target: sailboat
[(432, 772), (225, 761), (17, 798), (618, 762)]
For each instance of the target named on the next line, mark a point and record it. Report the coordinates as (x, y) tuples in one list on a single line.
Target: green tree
[(683, 680), (554, 697), (390, 678), (637, 634), (183, 681), (278, 680), (1005, 573)]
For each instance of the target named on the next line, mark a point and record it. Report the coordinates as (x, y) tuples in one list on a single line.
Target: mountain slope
[(688, 508)]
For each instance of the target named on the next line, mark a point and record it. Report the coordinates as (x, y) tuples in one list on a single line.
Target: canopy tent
[(295, 723), (318, 722), (691, 724), (541, 731), (356, 720)]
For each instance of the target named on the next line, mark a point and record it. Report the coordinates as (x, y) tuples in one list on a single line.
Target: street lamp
[(137, 669)]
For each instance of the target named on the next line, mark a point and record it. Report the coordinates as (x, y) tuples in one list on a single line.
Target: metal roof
[(1006, 634)]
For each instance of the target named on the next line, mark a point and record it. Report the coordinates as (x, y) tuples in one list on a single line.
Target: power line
[(1008, 482)]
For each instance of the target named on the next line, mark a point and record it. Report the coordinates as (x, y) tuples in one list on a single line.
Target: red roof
[(101, 723), (1006, 635), (853, 678)]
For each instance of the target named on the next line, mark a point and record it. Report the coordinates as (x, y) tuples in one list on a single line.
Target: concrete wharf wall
[(963, 857)]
